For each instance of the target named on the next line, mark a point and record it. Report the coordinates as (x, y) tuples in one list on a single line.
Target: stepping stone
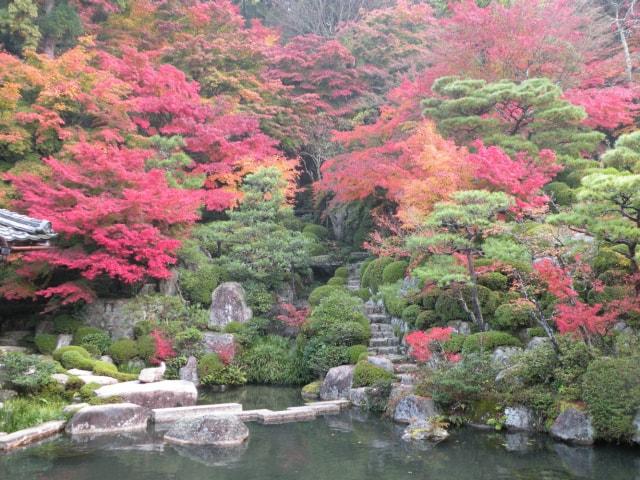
[(164, 394), (113, 418), (99, 379), (170, 415), (405, 368)]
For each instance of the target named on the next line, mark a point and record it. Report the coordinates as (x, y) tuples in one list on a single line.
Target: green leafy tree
[(459, 227)]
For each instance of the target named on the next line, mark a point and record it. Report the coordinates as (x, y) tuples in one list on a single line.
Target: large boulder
[(164, 394), (413, 408), (337, 383), (112, 418), (150, 375), (112, 315), (189, 372), (573, 426), (519, 418), (214, 430), (64, 340), (213, 342), (228, 304), (381, 362)]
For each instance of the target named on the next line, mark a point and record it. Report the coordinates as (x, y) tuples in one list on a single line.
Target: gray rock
[(189, 372), (107, 359), (413, 408), (519, 418), (214, 342), (535, 342), (112, 418), (74, 407), (112, 315), (169, 286), (64, 340), (502, 356), (381, 362), (60, 378), (27, 436), (150, 375), (13, 349), (337, 383), (212, 456), (573, 426), (7, 395), (99, 379), (45, 326), (79, 373), (214, 430), (164, 394), (425, 430), (228, 304), (636, 428), (461, 327)]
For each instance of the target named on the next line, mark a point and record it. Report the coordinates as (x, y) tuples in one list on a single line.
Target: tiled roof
[(20, 228)]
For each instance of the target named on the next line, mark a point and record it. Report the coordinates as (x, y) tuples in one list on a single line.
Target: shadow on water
[(350, 446)]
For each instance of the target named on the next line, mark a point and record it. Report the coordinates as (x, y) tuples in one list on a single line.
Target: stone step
[(397, 358), (384, 342), (379, 318), (382, 328), (407, 378), (384, 350), (380, 335), (405, 367)]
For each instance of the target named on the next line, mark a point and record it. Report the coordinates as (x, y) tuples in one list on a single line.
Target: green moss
[(367, 375), (46, 343), (65, 324), (57, 354), (355, 352), (104, 368), (312, 390), (123, 350), (488, 341), (372, 277), (394, 271), (73, 359), (88, 391), (494, 281), (513, 315), (336, 281), (341, 272)]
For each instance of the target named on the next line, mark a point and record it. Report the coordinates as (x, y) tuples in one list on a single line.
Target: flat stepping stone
[(107, 419), (30, 435), (12, 349), (292, 414), (99, 379), (79, 373), (378, 318), (170, 415), (384, 342), (164, 394), (405, 368)]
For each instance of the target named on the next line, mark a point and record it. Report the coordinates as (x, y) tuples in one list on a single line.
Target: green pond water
[(350, 446)]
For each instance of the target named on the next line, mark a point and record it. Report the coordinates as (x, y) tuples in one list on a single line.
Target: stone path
[(384, 342)]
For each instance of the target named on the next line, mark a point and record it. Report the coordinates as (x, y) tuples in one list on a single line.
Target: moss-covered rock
[(74, 359), (311, 391), (57, 354), (46, 343), (513, 315), (367, 375)]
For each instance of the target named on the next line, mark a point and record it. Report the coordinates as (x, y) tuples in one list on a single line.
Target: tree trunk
[(49, 43), (475, 300), (625, 46)]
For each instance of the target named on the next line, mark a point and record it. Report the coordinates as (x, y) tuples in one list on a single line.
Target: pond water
[(350, 446)]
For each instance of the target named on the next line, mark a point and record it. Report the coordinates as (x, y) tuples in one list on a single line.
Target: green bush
[(123, 350), (489, 341), (513, 315), (337, 281), (393, 302), (449, 308), (209, 364), (536, 332), (146, 348), (65, 324), (410, 314), (57, 354), (430, 297), (345, 333), (25, 412), (104, 368), (338, 307), (320, 232), (88, 391), (27, 373), (455, 343), (356, 351), (560, 193), (362, 293), (188, 341), (96, 343), (82, 332), (364, 266), (494, 281), (367, 375), (426, 319), (394, 271), (609, 259), (611, 390), (319, 358), (198, 285), (372, 277), (228, 375), (271, 361), (341, 272), (259, 298), (46, 343), (74, 359), (318, 294)]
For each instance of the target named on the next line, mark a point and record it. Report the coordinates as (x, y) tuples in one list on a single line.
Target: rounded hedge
[(341, 272), (104, 368), (494, 281), (57, 354), (318, 294), (65, 323), (410, 314), (123, 350), (46, 343), (83, 331), (356, 351), (366, 375), (337, 281), (393, 302), (394, 271), (96, 343), (489, 341), (320, 232), (74, 359), (372, 277), (426, 319), (513, 315), (146, 347)]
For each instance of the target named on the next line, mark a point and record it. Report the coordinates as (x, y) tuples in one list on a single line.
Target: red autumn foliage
[(226, 353), (292, 316), (423, 345), (163, 348)]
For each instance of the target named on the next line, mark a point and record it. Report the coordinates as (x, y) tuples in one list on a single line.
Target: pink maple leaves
[(423, 345)]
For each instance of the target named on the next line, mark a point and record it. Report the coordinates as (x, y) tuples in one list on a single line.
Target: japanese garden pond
[(350, 446)]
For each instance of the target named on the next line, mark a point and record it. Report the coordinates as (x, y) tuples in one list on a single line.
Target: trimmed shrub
[(335, 281), (366, 375), (146, 347), (372, 277), (561, 193), (104, 368), (271, 361), (341, 272), (123, 350), (513, 315), (198, 285), (318, 294), (338, 307), (209, 364), (393, 302), (45, 343), (489, 341), (320, 232), (57, 354), (426, 319), (364, 266), (259, 298), (410, 314), (65, 324), (83, 331), (96, 343), (448, 306), (609, 259), (429, 298), (27, 373), (455, 343), (362, 293), (494, 281), (74, 359), (319, 357), (345, 333), (611, 389), (356, 351), (394, 271)]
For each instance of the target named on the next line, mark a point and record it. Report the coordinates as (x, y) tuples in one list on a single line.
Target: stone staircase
[(384, 342)]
